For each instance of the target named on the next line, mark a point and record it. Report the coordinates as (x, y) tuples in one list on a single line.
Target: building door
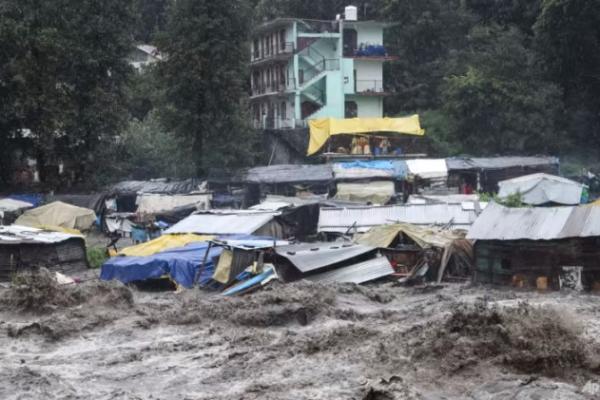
[(350, 42)]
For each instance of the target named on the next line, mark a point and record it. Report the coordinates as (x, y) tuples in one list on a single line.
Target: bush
[(96, 256)]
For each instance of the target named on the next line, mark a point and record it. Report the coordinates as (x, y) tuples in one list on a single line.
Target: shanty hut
[(484, 173), (538, 246), (25, 248), (231, 222), (539, 189), (58, 214)]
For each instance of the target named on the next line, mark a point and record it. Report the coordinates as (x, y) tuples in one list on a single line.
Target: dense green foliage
[(62, 77)]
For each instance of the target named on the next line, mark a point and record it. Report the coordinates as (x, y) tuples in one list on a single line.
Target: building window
[(256, 51), (351, 109), (283, 110)]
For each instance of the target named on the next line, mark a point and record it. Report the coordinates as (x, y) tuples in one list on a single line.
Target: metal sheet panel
[(363, 218), (290, 173), (222, 223), (481, 163), (357, 273), (311, 256), (537, 223), (428, 168)]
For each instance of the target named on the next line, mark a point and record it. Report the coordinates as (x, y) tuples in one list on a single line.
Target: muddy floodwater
[(298, 341)]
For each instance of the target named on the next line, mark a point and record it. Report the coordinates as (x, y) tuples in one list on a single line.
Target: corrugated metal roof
[(221, 222), (16, 234), (357, 273), (289, 173), (275, 202), (467, 163), (536, 223), (158, 186), (363, 218), (311, 256)]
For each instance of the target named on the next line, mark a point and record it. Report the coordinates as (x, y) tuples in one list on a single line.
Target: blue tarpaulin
[(181, 263), (399, 167), (32, 198)]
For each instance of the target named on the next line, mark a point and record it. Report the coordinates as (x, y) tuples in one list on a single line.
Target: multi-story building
[(305, 69)]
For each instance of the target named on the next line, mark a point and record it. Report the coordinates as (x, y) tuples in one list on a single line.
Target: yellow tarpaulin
[(161, 243), (321, 129)]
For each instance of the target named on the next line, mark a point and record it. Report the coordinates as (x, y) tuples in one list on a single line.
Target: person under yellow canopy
[(322, 129)]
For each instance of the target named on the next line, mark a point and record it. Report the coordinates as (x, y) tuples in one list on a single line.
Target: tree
[(204, 78), (568, 40), (151, 18), (63, 69), (499, 104)]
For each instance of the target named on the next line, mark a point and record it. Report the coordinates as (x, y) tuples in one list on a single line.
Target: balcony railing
[(369, 86), (278, 123), (269, 88), (284, 48)]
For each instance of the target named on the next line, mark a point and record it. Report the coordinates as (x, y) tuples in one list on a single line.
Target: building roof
[(155, 186), (540, 188), (363, 218), (312, 256), (150, 50), (361, 272), (16, 234), (289, 173), (497, 222), (223, 222), (428, 168), (478, 163), (11, 205)]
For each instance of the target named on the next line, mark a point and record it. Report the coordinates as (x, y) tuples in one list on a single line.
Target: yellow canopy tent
[(321, 129)]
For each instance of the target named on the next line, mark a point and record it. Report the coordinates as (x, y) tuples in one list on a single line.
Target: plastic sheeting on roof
[(312, 256), (370, 169), (428, 168), (482, 163), (181, 264), (58, 214), (536, 189), (376, 192), (162, 243), (223, 222), (275, 202), (15, 234), (322, 129), (361, 219), (11, 205), (288, 173), (154, 202), (497, 222)]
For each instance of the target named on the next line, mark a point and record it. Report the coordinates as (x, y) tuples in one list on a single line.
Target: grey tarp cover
[(537, 189)]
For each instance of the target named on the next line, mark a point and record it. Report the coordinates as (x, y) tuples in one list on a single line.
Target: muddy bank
[(302, 341)]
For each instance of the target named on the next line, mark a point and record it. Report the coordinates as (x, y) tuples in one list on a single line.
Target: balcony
[(280, 52), (369, 87), (368, 52), (268, 89), (278, 123)]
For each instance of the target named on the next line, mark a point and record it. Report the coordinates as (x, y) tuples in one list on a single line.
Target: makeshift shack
[(359, 219), (10, 209), (537, 247), (58, 215), (231, 222), (430, 252), (482, 174), (330, 262), (539, 189), (24, 248)]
